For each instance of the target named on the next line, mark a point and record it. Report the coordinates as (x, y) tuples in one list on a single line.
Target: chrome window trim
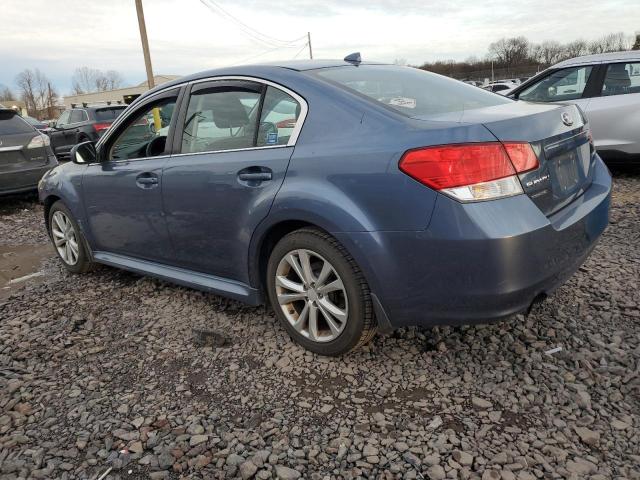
[(213, 152), (304, 109)]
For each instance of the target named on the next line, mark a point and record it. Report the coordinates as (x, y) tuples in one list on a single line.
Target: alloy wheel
[(311, 295), (65, 238)]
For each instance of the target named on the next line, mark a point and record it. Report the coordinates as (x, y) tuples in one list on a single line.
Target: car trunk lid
[(560, 139)]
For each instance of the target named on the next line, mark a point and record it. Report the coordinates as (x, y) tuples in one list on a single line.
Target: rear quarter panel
[(344, 175)]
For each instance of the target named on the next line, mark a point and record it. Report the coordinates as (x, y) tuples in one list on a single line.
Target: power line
[(246, 29), (301, 50)]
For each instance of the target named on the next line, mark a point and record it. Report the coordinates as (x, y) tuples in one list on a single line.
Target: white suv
[(607, 89)]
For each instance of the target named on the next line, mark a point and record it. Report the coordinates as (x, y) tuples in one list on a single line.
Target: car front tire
[(68, 240), (319, 294)]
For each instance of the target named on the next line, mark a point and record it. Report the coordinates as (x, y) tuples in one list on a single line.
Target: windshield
[(106, 114), (409, 90)]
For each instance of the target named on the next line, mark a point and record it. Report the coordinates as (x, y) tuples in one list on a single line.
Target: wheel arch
[(48, 202)]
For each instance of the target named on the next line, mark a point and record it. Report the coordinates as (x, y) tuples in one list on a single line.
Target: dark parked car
[(389, 197), (25, 154), (37, 124), (81, 124)]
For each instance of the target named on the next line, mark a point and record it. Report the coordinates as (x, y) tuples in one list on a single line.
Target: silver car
[(607, 88)]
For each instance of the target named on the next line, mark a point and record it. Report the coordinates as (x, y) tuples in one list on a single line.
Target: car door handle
[(255, 176), (147, 180)]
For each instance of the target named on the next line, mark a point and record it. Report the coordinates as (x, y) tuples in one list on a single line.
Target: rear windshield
[(409, 90), (11, 123), (106, 114)]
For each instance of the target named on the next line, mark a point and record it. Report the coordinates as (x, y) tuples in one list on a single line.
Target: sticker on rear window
[(272, 138), (403, 102)]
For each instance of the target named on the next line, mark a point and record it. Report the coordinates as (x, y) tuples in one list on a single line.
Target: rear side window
[(220, 119), (561, 85), (410, 91), (10, 123), (107, 114), (621, 78), (280, 113)]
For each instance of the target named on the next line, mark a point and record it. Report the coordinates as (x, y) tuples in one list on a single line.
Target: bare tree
[(36, 91), (510, 51), (547, 53), (6, 94), (113, 79), (576, 48), (636, 45), (84, 80), (87, 80), (614, 42)]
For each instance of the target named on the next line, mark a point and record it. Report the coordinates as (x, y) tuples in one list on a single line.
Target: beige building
[(120, 95)]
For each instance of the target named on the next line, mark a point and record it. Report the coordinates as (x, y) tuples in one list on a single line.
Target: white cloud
[(185, 36)]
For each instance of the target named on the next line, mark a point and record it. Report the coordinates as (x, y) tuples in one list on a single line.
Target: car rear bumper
[(479, 262), (24, 179)]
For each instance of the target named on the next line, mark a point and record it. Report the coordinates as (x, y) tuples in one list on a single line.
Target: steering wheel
[(156, 146)]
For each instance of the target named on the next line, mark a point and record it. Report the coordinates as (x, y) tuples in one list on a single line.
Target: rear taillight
[(472, 171), (39, 141), (101, 127)]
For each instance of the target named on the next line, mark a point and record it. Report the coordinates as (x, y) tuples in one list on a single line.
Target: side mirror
[(84, 153)]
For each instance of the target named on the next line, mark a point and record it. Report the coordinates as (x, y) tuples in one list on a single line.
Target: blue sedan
[(354, 197)]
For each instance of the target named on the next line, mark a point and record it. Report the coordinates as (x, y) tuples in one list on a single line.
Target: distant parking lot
[(101, 373)]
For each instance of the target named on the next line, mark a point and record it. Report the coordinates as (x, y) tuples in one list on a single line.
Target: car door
[(122, 193), (57, 134), (571, 84), (230, 158), (73, 129), (614, 114)]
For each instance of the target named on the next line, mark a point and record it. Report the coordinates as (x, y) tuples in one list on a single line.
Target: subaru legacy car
[(25, 154), (606, 87), (352, 196)]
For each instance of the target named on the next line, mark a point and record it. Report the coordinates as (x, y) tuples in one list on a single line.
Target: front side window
[(410, 91), (220, 118), (77, 116), (621, 78), (561, 85), (280, 113), (64, 118), (146, 132)]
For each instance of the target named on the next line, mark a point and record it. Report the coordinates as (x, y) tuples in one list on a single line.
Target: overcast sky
[(185, 36)]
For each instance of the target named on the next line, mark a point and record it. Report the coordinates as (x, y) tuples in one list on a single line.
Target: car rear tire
[(67, 239), (319, 293)]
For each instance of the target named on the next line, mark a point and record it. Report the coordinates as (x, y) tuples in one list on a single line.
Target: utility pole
[(309, 43), (49, 101), (157, 120), (145, 44)]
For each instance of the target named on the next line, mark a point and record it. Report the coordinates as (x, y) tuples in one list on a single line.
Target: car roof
[(600, 58), (264, 69), (8, 110)]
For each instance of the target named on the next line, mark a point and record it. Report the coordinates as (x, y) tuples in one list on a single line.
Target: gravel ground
[(102, 372)]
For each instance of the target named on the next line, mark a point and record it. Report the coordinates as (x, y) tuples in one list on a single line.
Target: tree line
[(40, 95), (517, 56)]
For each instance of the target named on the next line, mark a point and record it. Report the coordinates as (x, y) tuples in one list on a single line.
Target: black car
[(81, 124), (37, 124), (25, 154)]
